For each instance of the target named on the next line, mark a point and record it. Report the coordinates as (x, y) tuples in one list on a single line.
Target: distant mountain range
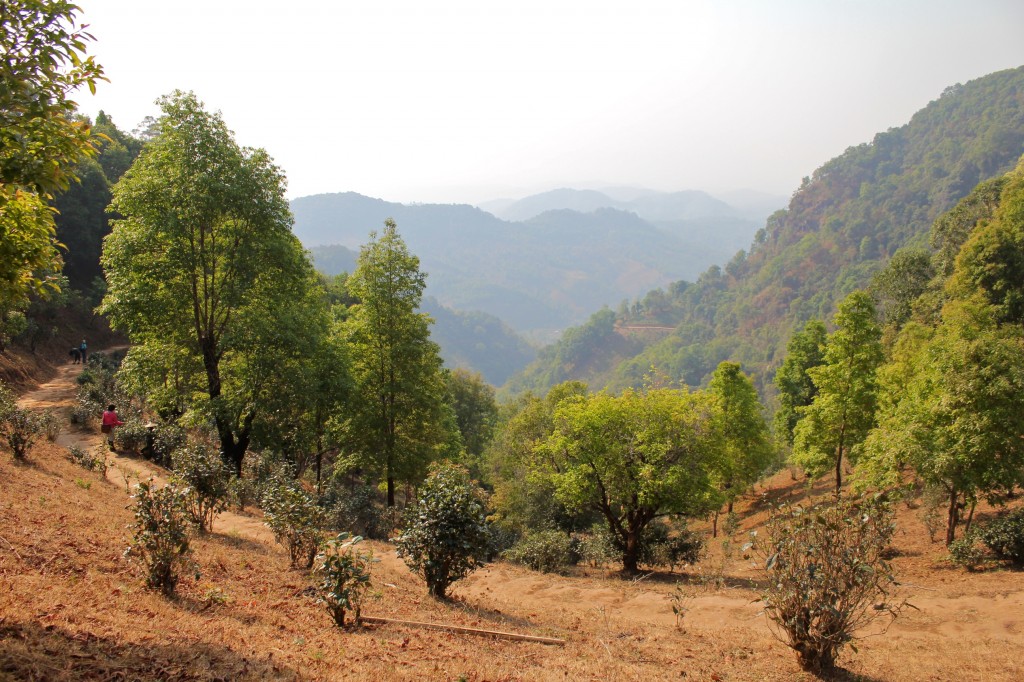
[(842, 225), (552, 260)]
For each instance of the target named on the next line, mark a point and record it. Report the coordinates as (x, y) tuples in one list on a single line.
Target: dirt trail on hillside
[(950, 608)]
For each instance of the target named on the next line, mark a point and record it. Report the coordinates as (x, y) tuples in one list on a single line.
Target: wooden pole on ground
[(464, 630)]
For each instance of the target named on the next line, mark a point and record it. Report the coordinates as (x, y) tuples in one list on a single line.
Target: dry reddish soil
[(73, 608)]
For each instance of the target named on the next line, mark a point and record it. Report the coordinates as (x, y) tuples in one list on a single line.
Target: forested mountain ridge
[(841, 226), (538, 275)]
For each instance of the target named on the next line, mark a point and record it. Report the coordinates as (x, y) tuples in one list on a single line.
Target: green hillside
[(843, 223)]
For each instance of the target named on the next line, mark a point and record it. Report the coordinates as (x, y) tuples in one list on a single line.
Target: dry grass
[(73, 608)]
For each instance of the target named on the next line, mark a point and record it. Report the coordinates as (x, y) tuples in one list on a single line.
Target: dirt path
[(59, 394), (951, 606)]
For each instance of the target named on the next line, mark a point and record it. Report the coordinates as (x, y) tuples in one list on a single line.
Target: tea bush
[(965, 552), (826, 576), (20, 429), (88, 460), (296, 520), (548, 551), (201, 471), (446, 535), (49, 424), (1005, 537), (680, 549), (358, 509), (596, 547), (163, 528), (131, 436), (343, 577)]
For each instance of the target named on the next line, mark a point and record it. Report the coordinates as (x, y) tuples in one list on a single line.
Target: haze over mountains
[(550, 259)]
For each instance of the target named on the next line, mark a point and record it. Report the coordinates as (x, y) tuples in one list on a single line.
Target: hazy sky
[(467, 100)]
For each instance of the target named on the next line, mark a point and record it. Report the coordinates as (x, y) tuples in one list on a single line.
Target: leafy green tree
[(41, 139), (958, 421), (522, 502), (475, 410), (446, 535), (991, 262), (747, 451), (204, 266), (402, 419), (843, 411), (633, 458), (902, 281), (806, 350)]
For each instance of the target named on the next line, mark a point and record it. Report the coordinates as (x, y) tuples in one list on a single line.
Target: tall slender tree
[(402, 419), (806, 349), (843, 411)]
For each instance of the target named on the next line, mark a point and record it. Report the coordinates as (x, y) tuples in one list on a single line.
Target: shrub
[(1005, 537), (827, 577), (131, 436), (205, 477), (167, 437), (343, 575), (446, 535), (596, 547), (296, 521), (965, 552), (20, 429), (683, 548), (358, 509), (49, 424), (88, 460), (548, 551), (162, 534)]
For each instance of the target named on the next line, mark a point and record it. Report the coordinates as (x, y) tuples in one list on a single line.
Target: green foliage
[(663, 548), (49, 424), (965, 552), (632, 458), (297, 522), (827, 578), (92, 461), (205, 276), (843, 411), (343, 577), (900, 283), (358, 509), (162, 532), (806, 350), (402, 418), (41, 138), (20, 429), (747, 451), (131, 436), (548, 551), (446, 535), (475, 409), (203, 475), (1005, 537), (596, 547)]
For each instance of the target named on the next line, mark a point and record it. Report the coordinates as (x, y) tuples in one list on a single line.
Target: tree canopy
[(203, 272)]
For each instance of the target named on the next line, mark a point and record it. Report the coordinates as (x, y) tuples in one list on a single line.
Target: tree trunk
[(970, 517), (953, 517), (391, 491), (714, 525), (631, 555)]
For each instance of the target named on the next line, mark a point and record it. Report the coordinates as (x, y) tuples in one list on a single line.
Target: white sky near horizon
[(465, 101)]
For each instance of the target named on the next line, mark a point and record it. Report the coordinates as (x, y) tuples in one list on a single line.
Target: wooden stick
[(468, 631)]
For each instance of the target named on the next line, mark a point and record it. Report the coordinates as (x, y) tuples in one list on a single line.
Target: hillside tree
[(633, 458), (747, 451), (843, 411), (203, 266), (41, 138), (402, 419), (806, 349)]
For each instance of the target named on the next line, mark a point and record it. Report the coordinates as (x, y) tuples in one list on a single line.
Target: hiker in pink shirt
[(110, 421)]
